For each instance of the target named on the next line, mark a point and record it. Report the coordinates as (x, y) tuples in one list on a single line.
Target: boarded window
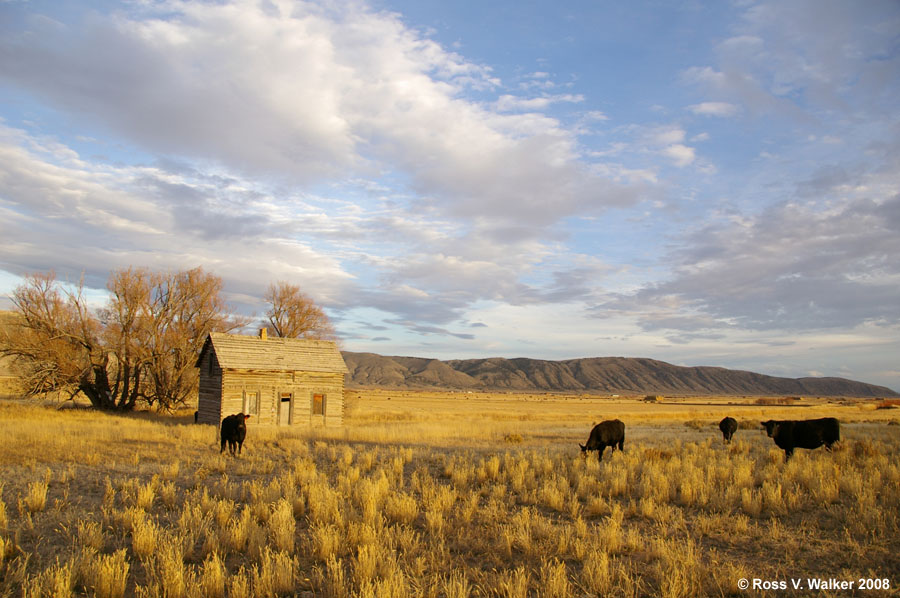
[(318, 404), (251, 402)]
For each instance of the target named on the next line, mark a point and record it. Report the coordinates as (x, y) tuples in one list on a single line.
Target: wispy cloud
[(790, 268), (510, 103), (714, 109)]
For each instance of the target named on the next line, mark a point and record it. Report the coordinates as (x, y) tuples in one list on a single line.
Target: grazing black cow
[(606, 433), (807, 433), (234, 431), (728, 426)]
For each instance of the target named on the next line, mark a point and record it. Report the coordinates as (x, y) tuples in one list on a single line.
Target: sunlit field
[(450, 494)]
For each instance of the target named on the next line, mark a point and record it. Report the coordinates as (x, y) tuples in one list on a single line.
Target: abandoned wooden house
[(277, 381)]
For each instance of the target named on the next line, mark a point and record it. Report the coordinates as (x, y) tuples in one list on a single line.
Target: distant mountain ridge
[(594, 374)]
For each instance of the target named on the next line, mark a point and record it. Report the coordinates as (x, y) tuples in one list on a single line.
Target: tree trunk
[(98, 391)]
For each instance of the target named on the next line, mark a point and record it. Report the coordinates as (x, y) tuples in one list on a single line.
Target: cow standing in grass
[(606, 433), (807, 433), (728, 426), (234, 431)]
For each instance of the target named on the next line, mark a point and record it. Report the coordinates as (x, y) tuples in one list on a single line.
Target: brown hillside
[(596, 374)]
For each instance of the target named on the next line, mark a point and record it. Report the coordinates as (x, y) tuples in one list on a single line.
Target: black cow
[(607, 433), (728, 426), (807, 433), (234, 431)]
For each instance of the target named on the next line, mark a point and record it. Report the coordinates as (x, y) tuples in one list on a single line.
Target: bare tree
[(184, 308), (293, 314), (126, 324), (57, 343), (140, 347)]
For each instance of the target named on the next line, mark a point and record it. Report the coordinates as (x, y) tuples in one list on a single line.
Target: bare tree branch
[(293, 314)]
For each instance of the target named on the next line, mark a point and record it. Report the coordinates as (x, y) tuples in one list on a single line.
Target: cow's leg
[(787, 454), (600, 453), (622, 445), (223, 445)]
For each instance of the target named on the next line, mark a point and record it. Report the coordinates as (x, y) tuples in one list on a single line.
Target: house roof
[(239, 352)]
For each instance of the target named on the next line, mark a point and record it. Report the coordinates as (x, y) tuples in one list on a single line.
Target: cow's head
[(583, 451), (771, 427)]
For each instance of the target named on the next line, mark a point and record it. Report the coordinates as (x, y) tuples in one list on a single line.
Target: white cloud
[(714, 109), (680, 154), (305, 94), (668, 141), (510, 103), (665, 135), (595, 115)]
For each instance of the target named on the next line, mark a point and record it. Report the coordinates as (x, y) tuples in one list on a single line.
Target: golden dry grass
[(449, 495)]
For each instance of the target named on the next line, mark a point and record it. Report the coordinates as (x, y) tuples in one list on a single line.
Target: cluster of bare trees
[(142, 345)]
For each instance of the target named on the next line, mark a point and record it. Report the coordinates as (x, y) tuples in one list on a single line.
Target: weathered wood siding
[(241, 374), (270, 386), (209, 406)]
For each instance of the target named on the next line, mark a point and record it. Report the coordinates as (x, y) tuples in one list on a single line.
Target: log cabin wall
[(260, 395), (209, 407), (291, 396)]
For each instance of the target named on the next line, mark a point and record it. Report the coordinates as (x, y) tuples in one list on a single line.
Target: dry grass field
[(449, 495)]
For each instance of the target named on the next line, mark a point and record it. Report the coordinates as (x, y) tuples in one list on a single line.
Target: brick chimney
[(263, 333)]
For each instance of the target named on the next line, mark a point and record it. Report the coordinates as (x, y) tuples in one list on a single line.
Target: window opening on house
[(251, 402), (318, 404)]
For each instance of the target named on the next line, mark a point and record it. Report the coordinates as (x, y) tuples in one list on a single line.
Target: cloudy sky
[(706, 183)]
